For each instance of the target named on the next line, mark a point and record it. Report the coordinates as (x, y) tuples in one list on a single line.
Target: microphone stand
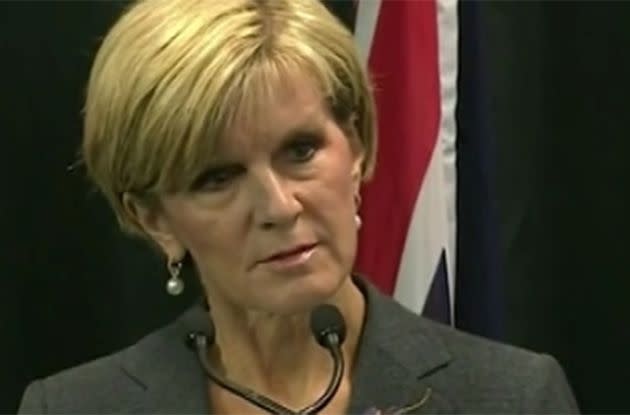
[(332, 343), (333, 346)]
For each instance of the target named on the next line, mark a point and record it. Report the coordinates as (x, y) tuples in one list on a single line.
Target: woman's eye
[(216, 179), (303, 150)]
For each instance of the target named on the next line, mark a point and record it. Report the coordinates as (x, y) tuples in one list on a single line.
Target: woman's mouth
[(291, 258)]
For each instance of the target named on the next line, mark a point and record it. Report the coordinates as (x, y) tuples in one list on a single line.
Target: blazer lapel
[(395, 360)]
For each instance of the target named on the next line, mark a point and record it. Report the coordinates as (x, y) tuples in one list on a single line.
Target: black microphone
[(328, 325), (328, 328)]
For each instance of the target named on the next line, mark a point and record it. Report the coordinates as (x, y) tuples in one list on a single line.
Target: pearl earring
[(175, 285), (357, 202)]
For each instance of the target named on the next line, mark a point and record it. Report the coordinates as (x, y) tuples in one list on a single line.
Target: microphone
[(328, 325), (329, 329)]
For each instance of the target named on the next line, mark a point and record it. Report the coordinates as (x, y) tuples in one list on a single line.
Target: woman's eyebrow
[(310, 123)]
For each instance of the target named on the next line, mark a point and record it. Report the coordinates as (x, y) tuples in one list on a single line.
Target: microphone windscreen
[(327, 319)]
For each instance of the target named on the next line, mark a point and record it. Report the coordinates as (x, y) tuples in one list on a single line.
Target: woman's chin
[(302, 296)]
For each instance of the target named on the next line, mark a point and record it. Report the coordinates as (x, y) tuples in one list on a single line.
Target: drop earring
[(357, 202), (175, 285)]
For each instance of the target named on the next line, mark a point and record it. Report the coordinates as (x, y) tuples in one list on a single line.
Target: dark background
[(75, 288)]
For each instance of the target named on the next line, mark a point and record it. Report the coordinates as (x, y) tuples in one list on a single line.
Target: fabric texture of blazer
[(405, 364)]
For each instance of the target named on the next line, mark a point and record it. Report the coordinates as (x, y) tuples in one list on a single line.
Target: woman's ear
[(154, 222), (358, 152), (357, 171)]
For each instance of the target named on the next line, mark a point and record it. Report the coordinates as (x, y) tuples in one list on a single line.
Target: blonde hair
[(171, 74)]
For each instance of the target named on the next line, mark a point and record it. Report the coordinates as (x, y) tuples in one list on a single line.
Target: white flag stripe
[(365, 26), (448, 53)]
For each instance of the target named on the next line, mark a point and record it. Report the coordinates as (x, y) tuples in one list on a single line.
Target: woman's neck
[(278, 355)]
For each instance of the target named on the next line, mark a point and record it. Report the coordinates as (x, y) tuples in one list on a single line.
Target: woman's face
[(270, 224)]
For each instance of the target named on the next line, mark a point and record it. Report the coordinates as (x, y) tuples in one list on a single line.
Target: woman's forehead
[(293, 105)]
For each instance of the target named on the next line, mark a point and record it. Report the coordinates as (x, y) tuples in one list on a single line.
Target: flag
[(407, 241)]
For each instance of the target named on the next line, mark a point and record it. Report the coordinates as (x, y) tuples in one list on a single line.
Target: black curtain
[(558, 85), (75, 288)]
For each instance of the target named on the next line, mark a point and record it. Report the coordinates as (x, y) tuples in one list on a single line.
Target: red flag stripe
[(404, 65)]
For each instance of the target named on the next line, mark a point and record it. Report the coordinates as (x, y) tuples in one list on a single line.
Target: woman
[(233, 135)]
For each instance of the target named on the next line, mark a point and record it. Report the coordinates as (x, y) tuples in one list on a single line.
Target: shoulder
[(484, 354), (491, 376), (66, 390), (104, 385), (469, 373)]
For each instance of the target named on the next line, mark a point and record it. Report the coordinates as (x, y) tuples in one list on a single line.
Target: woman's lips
[(296, 257), (290, 252)]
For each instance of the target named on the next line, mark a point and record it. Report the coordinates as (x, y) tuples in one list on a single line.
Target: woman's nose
[(275, 202)]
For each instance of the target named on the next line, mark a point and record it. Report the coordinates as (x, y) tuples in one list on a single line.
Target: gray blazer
[(404, 362)]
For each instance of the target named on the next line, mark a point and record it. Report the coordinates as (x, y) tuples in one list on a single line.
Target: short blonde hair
[(171, 74)]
